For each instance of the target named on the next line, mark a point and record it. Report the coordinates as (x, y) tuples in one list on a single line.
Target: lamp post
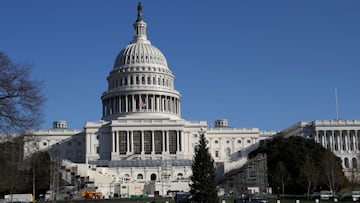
[(34, 178), (12, 171)]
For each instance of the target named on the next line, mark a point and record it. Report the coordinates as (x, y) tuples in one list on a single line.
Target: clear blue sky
[(265, 64)]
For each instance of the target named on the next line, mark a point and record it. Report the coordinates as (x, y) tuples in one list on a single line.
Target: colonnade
[(141, 103), (146, 142), (339, 140)]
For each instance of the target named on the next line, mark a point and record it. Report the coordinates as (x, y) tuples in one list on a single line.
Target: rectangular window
[(216, 153), (123, 143)]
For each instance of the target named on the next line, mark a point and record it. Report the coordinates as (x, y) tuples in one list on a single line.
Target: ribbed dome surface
[(140, 52), (141, 84)]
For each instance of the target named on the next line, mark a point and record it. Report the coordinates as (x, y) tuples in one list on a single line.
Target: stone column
[(163, 142), (157, 103), (133, 103), (132, 141), (127, 142), (113, 142), (142, 142), (163, 102), (171, 105), (152, 142), (353, 142), (117, 142), (167, 142), (152, 103), (126, 104), (347, 141), (178, 147)]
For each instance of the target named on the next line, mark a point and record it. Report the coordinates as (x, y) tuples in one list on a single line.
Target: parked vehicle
[(91, 195), (326, 195), (355, 196), (182, 197), (22, 198)]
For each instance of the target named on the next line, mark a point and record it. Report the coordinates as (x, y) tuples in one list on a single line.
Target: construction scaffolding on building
[(248, 179)]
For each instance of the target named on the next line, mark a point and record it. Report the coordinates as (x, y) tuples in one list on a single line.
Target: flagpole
[(337, 105)]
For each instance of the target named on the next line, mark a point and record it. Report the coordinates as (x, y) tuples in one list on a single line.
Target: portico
[(140, 142)]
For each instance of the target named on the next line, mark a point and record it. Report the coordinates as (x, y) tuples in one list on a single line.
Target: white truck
[(21, 198), (355, 195)]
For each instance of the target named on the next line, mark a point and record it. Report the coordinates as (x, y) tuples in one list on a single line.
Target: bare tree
[(310, 173), (332, 171), (281, 176), (21, 100)]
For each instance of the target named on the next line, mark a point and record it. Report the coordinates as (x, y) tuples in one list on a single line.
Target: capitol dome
[(140, 85)]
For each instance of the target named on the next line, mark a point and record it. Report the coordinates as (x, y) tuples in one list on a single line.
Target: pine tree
[(203, 187)]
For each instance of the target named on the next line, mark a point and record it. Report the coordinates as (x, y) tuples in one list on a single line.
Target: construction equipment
[(91, 194)]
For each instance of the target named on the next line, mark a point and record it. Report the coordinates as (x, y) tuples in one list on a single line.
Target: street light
[(12, 171)]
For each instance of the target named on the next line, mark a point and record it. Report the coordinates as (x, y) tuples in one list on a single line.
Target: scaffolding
[(250, 178)]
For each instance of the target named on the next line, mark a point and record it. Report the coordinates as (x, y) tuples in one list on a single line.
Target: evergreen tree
[(307, 164), (203, 186)]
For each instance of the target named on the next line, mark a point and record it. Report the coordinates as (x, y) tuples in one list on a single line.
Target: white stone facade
[(61, 142), (342, 137)]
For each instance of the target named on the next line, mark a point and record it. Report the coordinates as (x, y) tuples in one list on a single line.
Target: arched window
[(153, 177), (143, 80), (140, 176), (180, 176), (228, 151), (354, 162), (346, 162)]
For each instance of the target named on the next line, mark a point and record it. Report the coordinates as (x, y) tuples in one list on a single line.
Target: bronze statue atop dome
[(139, 8)]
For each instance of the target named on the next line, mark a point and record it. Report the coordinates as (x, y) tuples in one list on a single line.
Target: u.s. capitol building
[(142, 145)]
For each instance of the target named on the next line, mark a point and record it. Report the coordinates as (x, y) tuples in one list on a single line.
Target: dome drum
[(140, 102)]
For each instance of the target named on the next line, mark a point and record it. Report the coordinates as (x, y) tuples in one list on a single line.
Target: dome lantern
[(140, 50), (140, 27)]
